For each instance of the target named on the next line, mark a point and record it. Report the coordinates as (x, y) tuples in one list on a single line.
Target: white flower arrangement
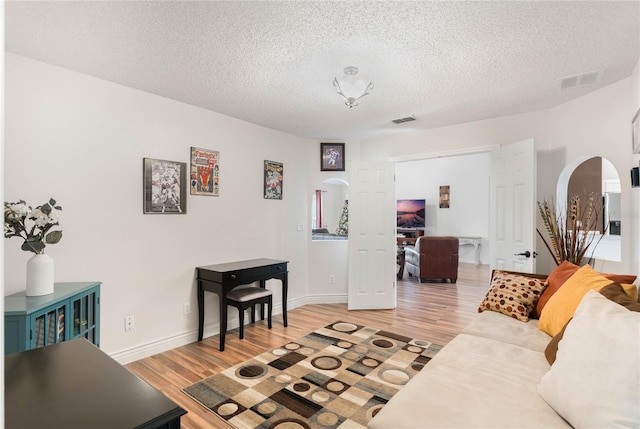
[(42, 218)]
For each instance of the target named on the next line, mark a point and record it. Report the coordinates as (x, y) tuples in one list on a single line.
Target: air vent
[(402, 120), (579, 80)]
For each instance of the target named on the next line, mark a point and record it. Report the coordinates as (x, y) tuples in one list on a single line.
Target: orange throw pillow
[(556, 279), (561, 274), (564, 302)]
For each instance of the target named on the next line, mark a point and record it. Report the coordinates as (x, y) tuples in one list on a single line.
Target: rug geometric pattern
[(338, 376)]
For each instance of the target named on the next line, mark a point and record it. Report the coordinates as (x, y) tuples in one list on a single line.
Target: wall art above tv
[(410, 214)]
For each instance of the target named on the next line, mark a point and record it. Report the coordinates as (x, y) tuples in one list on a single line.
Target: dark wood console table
[(221, 278), (74, 385)]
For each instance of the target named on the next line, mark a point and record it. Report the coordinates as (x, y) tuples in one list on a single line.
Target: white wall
[(468, 214), (597, 124), (634, 161), (81, 140)]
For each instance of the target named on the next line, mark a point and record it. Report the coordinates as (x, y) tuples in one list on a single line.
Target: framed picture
[(331, 156), (444, 197), (635, 136), (205, 172), (273, 180), (164, 186)]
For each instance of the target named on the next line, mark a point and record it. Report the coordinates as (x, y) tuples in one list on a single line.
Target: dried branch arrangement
[(572, 232)]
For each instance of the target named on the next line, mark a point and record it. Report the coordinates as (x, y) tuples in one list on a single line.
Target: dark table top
[(74, 385), (242, 265)]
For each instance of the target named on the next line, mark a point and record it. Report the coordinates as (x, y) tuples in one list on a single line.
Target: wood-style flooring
[(435, 312)]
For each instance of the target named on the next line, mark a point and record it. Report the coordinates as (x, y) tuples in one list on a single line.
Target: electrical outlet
[(129, 323), (332, 279), (300, 226), (186, 308)]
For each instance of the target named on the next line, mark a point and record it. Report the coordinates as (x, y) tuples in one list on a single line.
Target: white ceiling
[(272, 62)]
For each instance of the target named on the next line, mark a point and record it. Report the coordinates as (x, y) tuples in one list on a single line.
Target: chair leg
[(241, 317), (253, 313), (269, 310)]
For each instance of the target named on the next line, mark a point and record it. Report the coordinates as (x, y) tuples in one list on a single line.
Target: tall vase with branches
[(571, 232)]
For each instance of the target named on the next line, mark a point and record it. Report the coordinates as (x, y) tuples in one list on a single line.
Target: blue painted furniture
[(71, 311)]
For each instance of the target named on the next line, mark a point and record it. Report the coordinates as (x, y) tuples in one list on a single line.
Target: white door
[(513, 207), (372, 241)]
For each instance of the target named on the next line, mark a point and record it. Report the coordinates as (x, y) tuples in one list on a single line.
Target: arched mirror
[(596, 176), (329, 210)]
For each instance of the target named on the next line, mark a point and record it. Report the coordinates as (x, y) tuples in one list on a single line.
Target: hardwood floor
[(435, 312)]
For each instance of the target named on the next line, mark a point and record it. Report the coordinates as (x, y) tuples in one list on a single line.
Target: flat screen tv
[(410, 214)]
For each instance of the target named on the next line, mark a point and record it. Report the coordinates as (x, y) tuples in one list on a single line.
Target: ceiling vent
[(579, 80), (402, 120)]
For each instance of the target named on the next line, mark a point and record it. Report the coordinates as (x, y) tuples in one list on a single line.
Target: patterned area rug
[(340, 375)]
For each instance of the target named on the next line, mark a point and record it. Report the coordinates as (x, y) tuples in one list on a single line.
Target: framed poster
[(331, 156), (273, 180), (444, 197), (635, 136), (164, 186), (205, 172)]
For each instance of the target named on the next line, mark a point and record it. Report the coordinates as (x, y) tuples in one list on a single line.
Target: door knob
[(526, 254)]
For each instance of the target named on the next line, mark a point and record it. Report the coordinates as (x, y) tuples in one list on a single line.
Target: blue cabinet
[(71, 311)]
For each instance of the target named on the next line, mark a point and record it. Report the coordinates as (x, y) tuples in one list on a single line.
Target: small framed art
[(444, 196), (205, 172), (164, 186), (273, 180), (331, 156), (635, 133)]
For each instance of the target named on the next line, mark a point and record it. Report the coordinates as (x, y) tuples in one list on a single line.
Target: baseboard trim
[(212, 329)]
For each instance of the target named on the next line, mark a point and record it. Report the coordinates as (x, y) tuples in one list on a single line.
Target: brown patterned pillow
[(512, 294)]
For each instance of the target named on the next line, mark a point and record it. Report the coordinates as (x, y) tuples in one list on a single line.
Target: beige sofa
[(495, 373), (486, 377)]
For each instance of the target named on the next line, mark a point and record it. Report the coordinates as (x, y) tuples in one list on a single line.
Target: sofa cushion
[(473, 382), (562, 273), (512, 294), (595, 380), (563, 303), (616, 293), (497, 326)]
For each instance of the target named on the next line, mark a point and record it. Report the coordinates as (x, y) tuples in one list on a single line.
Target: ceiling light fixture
[(352, 87)]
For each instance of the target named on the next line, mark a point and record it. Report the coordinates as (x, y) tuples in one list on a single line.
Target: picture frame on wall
[(205, 172), (445, 196), (635, 132), (164, 186), (273, 180), (331, 156)]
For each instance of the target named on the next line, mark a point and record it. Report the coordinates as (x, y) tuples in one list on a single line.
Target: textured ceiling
[(272, 62)]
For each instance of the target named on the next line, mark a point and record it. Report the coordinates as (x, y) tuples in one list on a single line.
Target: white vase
[(39, 275)]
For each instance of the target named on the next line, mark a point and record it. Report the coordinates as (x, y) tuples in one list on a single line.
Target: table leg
[(401, 262), (285, 288), (263, 285), (200, 310), (222, 298)]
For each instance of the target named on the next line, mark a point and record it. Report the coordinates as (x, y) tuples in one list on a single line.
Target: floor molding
[(213, 328)]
